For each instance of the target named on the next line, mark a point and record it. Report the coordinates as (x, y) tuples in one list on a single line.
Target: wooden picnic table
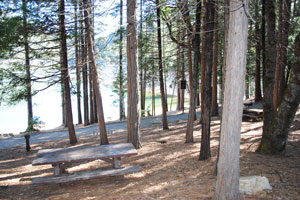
[(253, 114), (62, 158)]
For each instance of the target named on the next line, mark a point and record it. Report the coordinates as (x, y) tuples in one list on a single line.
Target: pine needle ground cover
[(171, 169)]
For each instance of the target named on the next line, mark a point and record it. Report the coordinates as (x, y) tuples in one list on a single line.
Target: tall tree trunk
[(270, 64), (165, 70), (198, 87), (202, 60), (143, 98), (161, 77), (84, 68), (133, 121), (94, 73), (248, 73), (226, 30), (206, 113), (63, 105), (274, 140), (223, 70), (27, 69), (182, 64), (285, 41), (78, 67), (247, 84), (214, 105), (197, 55), (189, 137), (279, 64), (258, 96), (92, 106), (92, 20), (65, 73), (197, 48), (165, 85), (95, 107), (145, 86), (263, 39), (153, 87), (145, 73), (121, 76), (153, 83), (178, 61), (282, 42), (193, 71), (227, 186)]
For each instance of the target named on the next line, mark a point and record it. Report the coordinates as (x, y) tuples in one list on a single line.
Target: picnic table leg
[(60, 168), (57, 169), (117, 162)]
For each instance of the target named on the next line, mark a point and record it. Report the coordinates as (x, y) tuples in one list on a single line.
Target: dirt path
[(61, 134)]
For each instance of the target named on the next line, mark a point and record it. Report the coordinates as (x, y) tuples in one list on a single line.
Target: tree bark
[(65, 73), (84, 68), (263, 39), (258, 96), (161, 76), (165, 81), (197, 55), (153, 87), (178, 61), (206, 113), (94, 73), (92, 16), (92, 106), (143, 93), (214, 105), (285, 41), (190, 124), (133, 121), (227, 186), (274, 140), (247, 84), (279, 64), (78, 68), (27, 69), (95, 107), (121, 83), (182, 64), (63, 105), (270, 64), (223, 70), (193, 42), (202, 60), (226, 29), (153, 83)]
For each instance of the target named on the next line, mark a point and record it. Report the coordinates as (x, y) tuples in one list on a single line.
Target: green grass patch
[(158, 107)]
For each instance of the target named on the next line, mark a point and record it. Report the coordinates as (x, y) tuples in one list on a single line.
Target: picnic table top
[(255, 110), (83, 153)]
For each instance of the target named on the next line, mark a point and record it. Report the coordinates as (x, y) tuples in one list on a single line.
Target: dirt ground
[(171, 169)]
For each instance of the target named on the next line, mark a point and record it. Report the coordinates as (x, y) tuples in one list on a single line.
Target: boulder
[(253, 184)]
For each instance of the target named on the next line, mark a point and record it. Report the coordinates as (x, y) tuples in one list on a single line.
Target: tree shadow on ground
[(171, 170)]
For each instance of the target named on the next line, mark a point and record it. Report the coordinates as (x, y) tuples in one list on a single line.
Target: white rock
[(253, 184)]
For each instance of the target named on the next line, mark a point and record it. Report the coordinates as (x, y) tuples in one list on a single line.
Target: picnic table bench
[(63, 158), (253, 114)]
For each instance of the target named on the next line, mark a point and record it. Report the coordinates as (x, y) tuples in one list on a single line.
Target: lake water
[(47, 106)]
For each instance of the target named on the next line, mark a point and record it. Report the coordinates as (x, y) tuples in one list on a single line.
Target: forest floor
[(171, 169)]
